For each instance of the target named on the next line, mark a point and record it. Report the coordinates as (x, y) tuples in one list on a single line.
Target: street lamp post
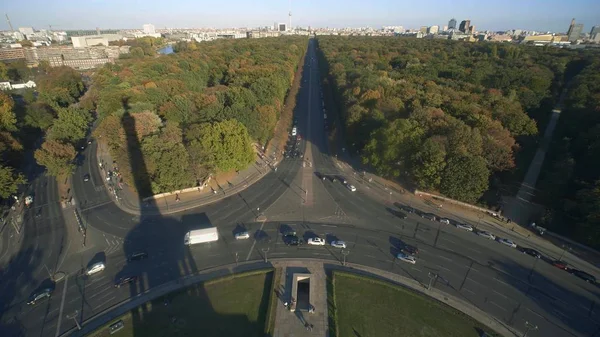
[(345, 253), (73, 316), (236, 258), (265, 251), (432, 278), (529, 326)]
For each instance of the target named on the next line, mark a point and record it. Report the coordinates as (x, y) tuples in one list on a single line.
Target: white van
[(294, 131)]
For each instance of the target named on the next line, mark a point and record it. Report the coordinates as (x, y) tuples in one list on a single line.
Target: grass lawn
[(368, 307), (233, 306)]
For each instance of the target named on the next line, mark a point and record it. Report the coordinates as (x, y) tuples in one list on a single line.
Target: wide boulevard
[(512, 286)]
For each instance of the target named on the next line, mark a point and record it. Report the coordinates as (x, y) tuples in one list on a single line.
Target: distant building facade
[(433, 29), (149, 29), (452, 23), (575, 32), (465, 26), (78, 58)]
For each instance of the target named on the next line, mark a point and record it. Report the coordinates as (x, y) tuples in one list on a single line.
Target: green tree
[(8, 119), (465, 178), (56, 156), (39, 115), (226, 145), (61, 86), (71, 125), (10, 181), (429, 163)]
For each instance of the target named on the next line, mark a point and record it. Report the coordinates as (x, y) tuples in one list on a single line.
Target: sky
[(541, 15)]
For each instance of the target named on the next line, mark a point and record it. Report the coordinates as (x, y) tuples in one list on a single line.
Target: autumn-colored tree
[(8, 119), (56, 156)]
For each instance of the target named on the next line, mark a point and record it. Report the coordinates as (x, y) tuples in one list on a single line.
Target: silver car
[(338, 244), (95, 268), (465, 227), (487, 235)]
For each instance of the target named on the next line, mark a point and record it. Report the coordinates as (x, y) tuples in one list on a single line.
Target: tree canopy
[(213, 102), (430, 109)]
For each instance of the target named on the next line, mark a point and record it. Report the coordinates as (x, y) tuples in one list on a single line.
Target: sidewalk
[(220, 187)]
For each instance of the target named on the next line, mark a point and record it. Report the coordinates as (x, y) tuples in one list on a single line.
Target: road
[(498, 279)]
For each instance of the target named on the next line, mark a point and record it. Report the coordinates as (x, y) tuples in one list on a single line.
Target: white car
[(487, 235), (242, 235), (294, 131), (316, 241), (406, 258), (351, 188), (445, 221), (95, 268), (508, 243), (338, 244), (465, 227)]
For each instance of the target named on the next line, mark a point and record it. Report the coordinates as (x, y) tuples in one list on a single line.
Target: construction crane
[(9, 24), (50, 26)]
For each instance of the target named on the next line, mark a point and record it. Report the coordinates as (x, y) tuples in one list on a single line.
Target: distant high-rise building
[(464, 26), (445, 28), (575, 32), (433, 29), (471, 30), (452, 24), (423, 29), (148, 29), (595, 30), (282, 27), (26, 30), (571, 26)]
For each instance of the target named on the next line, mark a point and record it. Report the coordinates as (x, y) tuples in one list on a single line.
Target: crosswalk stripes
[(113, 244)]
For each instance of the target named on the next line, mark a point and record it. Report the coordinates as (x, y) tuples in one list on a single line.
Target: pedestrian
[(177, 197)]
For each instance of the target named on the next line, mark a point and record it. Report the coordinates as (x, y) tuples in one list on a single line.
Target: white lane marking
[(254, 243), (371, 256), (328, 226), (535, 313), (501, 282), (278, 253), (473, 250), (321, 254), (442, 238), (501, 294), (492, 303), (442, 267), (417, 269), (469, 291), (104, 303), (472, 280), (62, 306), (445, 258)]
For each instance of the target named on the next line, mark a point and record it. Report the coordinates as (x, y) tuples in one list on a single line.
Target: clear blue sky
[(542, 15)]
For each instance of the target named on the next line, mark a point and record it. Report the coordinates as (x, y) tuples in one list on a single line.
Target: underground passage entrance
[(302, 292)]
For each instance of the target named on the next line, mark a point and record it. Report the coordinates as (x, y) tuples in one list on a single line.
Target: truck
[(201, 236)]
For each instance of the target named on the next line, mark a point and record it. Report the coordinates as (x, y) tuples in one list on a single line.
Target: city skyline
[(551, 15)]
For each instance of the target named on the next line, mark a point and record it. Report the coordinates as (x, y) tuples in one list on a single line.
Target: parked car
[(401, 215), (40, 295), (406, 258), (507, 242), (428, 216), (242, 235), (291, 240), (125, 280), (95, 268), (86, 177), (445, 221), (316, 241), (487, 235), (532, 252), (560, 264), (338, 244), (583, 275), (351, 188), (466, 227), (138, 256)]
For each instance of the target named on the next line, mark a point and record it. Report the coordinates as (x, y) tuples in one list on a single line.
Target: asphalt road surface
[(500, 280)]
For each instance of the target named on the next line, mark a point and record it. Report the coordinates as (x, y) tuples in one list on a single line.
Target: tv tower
[(290, 15)]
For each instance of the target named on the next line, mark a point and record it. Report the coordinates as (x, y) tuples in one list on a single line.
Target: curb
[(102, 318)]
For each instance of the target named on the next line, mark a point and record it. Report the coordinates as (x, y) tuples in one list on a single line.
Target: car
[(86, 177), (242, 235), (125, 280), (290, 232), (316, 241), (406, 258), (583, 275), (410, 250), (291, 240), (560, 264), (507, 242), (294, 131), (401, 215), (532, 252), (95, 268), (138, 256), (40, 295), (428, 216), (445, 221), (487, 235), (466, 227), (338, 244), (351, 188)]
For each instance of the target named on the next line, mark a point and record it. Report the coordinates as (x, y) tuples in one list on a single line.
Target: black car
[(39, 296), (428, 216), (291, 240), (401, 215), (125, 280), (138, 256), (410, 250), (583, 275), (532, 252), (408, 209), (86, 177)]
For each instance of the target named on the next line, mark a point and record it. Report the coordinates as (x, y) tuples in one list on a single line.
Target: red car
[(560, 265)]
